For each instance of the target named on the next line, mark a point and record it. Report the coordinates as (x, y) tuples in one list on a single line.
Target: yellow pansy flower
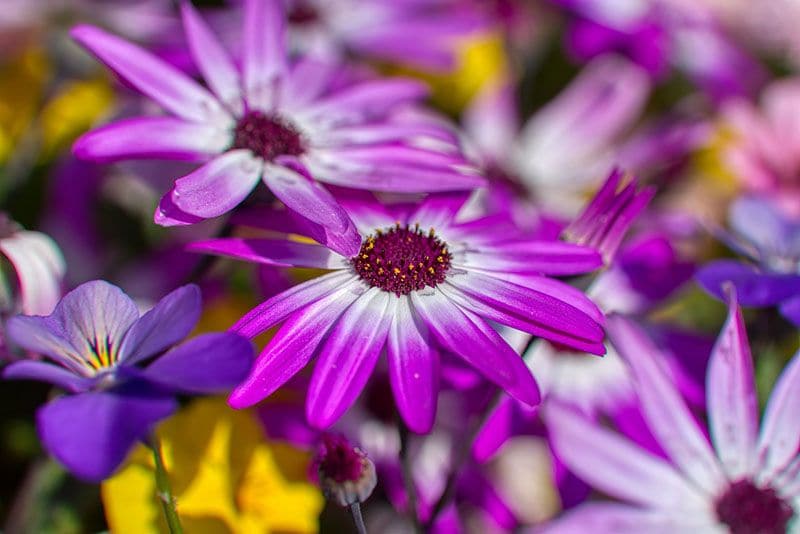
[(225, 476)]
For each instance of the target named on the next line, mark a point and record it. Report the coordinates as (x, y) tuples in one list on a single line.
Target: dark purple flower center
[(339, 460), (302, 13), (267, 136), (748, 509), (402, 260)]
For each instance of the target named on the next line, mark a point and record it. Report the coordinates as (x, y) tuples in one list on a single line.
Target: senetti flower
[(273, 120), (747, 482), (98, 345), (421, 283)]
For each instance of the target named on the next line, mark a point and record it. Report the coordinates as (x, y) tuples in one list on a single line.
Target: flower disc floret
[(267, 136), (403, 259), (747, 508)]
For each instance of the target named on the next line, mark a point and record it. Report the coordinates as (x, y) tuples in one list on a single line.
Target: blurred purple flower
[(772, 243), (420, 275), (746, 483), (765, 153), (97, 342), (274, 121)]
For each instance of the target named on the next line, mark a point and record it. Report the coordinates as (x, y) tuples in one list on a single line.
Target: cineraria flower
[(746, 483), (97, 342), (276, 121), (346, 475), (420, 276), (39, 267), (772, 243)]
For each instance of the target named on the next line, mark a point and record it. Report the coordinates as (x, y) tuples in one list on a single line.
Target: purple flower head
[(99, 348), (273, 120), (605, 220), (345, 473), (422, 282), (743, 480), (771, 243)]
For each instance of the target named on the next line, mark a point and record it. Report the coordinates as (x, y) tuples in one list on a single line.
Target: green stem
[(164, 490)]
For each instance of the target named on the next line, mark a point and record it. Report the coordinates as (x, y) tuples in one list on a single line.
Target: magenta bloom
[(421, 283), (97, 343), (276, 121), (745, 483)]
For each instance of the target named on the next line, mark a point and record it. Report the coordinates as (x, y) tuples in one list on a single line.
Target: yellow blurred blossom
[(73, 110), (225, 476), (22, 82)]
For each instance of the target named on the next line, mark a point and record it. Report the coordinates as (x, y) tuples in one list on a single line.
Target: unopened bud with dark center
[(346, 475)]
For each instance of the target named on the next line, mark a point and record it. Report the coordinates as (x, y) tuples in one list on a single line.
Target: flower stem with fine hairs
[(355, 511), (164, 490)]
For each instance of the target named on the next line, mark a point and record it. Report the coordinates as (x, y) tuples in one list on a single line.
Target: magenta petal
[(168, 214), (732, 400), (369, 99), (780, 431), (206, 364), (467, 335), (263, 49), (667, 415), (439, 209), (218, 186), (545, 257), (499, 427), (276, 309), (346, 243), (292, 347), (271, 252), (167, 323), (46, 372), (91, 433), (218, 70), (152, 137), (413, 369), (163, 83), (348, 356)]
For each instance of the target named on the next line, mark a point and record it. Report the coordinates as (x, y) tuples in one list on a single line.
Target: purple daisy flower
[(98, 342), (280, 122), (746, 483), (420, 275)]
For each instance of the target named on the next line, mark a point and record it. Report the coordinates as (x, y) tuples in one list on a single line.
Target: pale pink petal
[(264, 50), (732, 400), (779, 441), (218, 186), (271, 252), (40, 268), (614, 465), (624, 519), (348, 356), (667, 415), (171, 88)]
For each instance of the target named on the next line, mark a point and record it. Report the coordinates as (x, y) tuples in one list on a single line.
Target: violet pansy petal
[(791, 310), (413, 369), (277, 308), (263, 49), (278, 252), (616, 466), (45, 336), (206, 364), (213, 61), (46, 372), (626, 519), (95, 317), (667, 415), (167, 323), (152, 137), (779, 440), (174, 90), (292, 346), (753, 287), (218, 186), (732, 399), (91, 433), (40, 268), (468, 336), (348, 356)]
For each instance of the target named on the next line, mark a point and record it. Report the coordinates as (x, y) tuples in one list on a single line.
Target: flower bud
[(346, 475)]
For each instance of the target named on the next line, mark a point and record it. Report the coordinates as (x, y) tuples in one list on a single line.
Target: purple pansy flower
[(275, 121), (98, 344), (772, 243), (421, 275), (747, 482)]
